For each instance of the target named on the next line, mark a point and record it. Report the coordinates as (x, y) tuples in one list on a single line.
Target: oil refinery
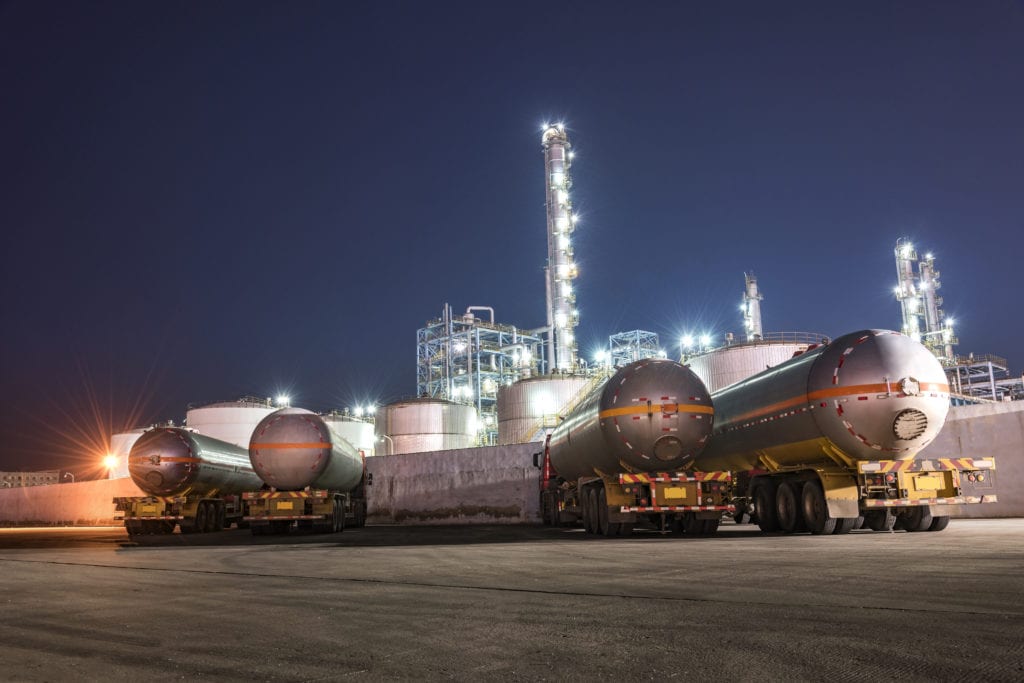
[(796, 431)]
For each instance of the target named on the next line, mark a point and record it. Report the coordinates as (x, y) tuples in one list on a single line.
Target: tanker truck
[(193, 481), (314, 478), (618, 459), (826, 441)]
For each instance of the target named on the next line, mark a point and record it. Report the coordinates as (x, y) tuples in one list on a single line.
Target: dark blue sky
[(205, 200)]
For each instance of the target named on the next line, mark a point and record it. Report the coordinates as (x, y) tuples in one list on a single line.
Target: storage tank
[(358, 433), (294, 448), (420, 425), (231, 421), (172, 461), (529, 406), (120, 447), (868, 395), (652, 415), (730, 364)]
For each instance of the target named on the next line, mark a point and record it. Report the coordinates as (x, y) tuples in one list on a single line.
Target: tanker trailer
[(315, 477), (617, 458), (193, 481), (826, 441)]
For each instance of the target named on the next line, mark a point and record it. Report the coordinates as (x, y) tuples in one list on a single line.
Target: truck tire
[(605, 527), (787, 510), (220, 517), (589, 500), (880, 520), (764, 505), (815, 510), (711, 527), (691, 525), (845, 525), (202, 517), (939, 523), (917, 518)]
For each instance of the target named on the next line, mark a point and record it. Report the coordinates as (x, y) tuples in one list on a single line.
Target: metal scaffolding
[(465, 359), (984, 377), (627, 347)]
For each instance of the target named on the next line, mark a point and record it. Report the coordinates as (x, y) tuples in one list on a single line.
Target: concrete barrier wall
[(86, 503), (491, 485), (993, 430)]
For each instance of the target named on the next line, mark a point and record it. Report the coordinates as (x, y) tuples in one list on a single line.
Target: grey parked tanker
[(192, 480), (616, 459), (826, 440), (315, 476)]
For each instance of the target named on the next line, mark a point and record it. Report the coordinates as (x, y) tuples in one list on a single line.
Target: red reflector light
[(971, 477), (890, 478)]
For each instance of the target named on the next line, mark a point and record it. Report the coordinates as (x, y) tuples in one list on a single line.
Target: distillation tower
[(917, 292), (751, 308), (562, 315)]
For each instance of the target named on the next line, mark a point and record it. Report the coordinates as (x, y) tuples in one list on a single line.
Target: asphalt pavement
[(512, 602)]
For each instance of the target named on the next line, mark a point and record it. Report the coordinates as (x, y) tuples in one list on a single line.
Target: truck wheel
[(691, 525), (917, 518), (786, 509), (710, 527), (202, 516), (939, 523), (764, 504), (626, 529), (589, 500), (605, 527), (815, 509), (845, 525), (880, 520), (220, 516)]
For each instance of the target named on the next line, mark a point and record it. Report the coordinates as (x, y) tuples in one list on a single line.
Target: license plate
[(284, 505), (927, 483), (147, 509), (674, 492)]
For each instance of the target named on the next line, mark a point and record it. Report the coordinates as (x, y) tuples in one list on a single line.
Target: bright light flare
[(110, 461)]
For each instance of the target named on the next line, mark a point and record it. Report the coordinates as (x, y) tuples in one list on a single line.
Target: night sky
[(201, 201)]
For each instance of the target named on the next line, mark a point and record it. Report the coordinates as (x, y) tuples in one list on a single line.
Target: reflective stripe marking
[(163, 459), (656, 408)]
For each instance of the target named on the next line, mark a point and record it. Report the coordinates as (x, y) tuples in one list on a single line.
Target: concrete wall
[(83, 503), (982, 431), (492, 485)]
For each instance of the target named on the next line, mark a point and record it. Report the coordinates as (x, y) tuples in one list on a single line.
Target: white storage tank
[(231, 421), (360, 434), (528, 409), (420, 425), (120, 446), (730, 364)]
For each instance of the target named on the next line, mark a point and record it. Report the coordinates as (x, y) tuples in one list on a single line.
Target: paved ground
[(486, 603)]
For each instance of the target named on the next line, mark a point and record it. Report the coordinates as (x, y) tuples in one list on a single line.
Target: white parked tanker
[(315, 477), (826, 440), (192, 482), (617, 459)]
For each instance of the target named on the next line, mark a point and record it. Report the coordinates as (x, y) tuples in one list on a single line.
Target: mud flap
[(841, 494)]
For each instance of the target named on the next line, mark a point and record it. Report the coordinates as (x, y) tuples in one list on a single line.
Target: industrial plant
[(787, 429)]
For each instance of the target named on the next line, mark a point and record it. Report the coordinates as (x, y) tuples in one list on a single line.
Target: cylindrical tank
[(872, 394), (526, 407), (171, 461), (120, 448), (421, 425), (653, 415), (358, 433), (231, 421), (730, 364), (294, 448)]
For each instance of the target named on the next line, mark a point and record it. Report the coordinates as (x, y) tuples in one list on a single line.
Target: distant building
[(12, 480)]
